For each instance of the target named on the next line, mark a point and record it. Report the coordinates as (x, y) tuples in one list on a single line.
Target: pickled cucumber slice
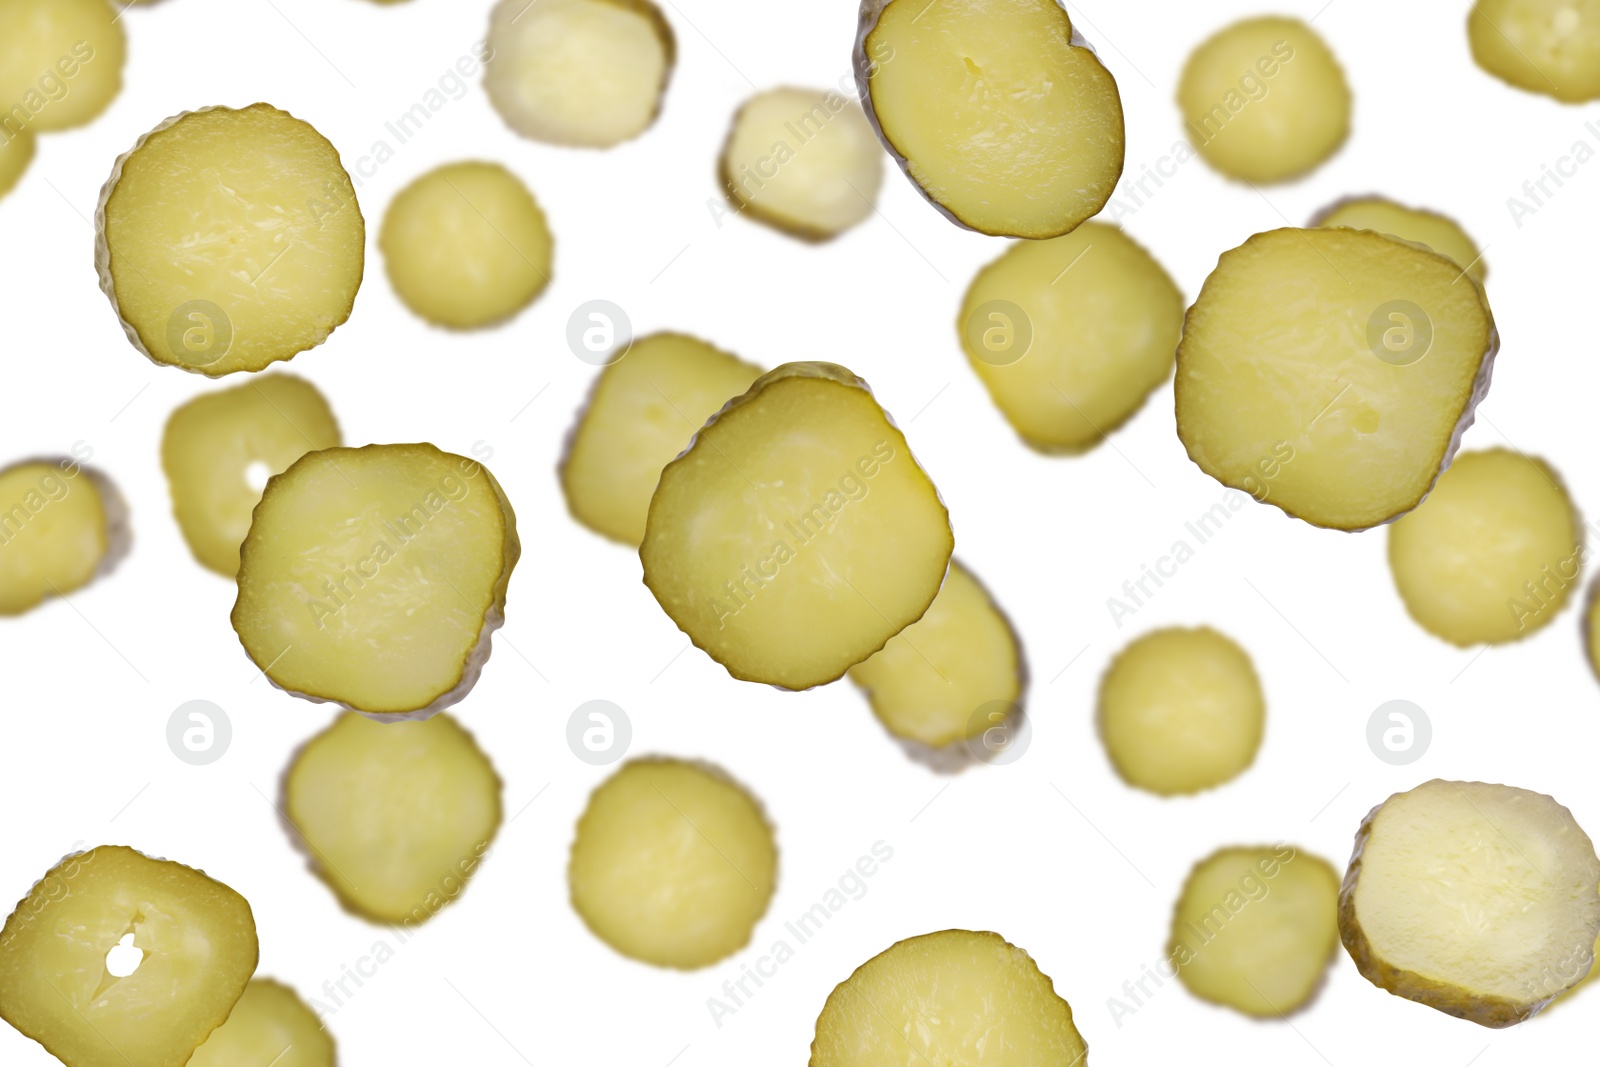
[(270, 1026), (644, 410), (466, 245), (16, 153), (1071, 335), (219, 449), (1264, 100), (673, 863), (804, 161), (1255, 929), (1493, 554), (230, 239), (1417, 225), (1181, 711), (997, 110), (60, 62), (1572, 969), (373, 577), (585, 73), (797, 533), (1543, 46), (395, 817), (935, 683), (1473, 899), (956, 998), (196, 945), (1364, 355), (62, 525)]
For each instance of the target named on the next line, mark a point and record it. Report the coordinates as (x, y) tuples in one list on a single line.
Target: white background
[(1052, 851)]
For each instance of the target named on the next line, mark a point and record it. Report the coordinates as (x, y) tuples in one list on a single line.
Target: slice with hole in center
[(673, 863), (230, 239), (804, 161), (1414, 224), (960, 998), (1363, 355), (373, 577), (797, 533), (193, 940), (62, 525), (585, 73), (219, 449), (394, 817), (270, 1026), (1473, 899), (949, 677), (1255, 929), (644, 410), (996, 110)]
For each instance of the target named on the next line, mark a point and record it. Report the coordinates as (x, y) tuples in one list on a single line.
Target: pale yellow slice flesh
[(16, 153), (230, 239), (270, 1027), (994, 109), (219, 449), (797, 534), (1565, 981), (60, 62), (1473, 899), (1255, 928), (1418, 225), (1358, 355), (644, 410), (673, 864), (585, 73), (1071, 335), (1264, 100), (197, 944), (1181, 711), (466, 245), (804, 161), (61, 526), (934, 682), (1493, 554), (395, 817), (373, 577), (956, 998), (1543, 46)]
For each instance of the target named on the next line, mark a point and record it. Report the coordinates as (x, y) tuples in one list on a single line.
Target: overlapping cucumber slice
[(373, 577)]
